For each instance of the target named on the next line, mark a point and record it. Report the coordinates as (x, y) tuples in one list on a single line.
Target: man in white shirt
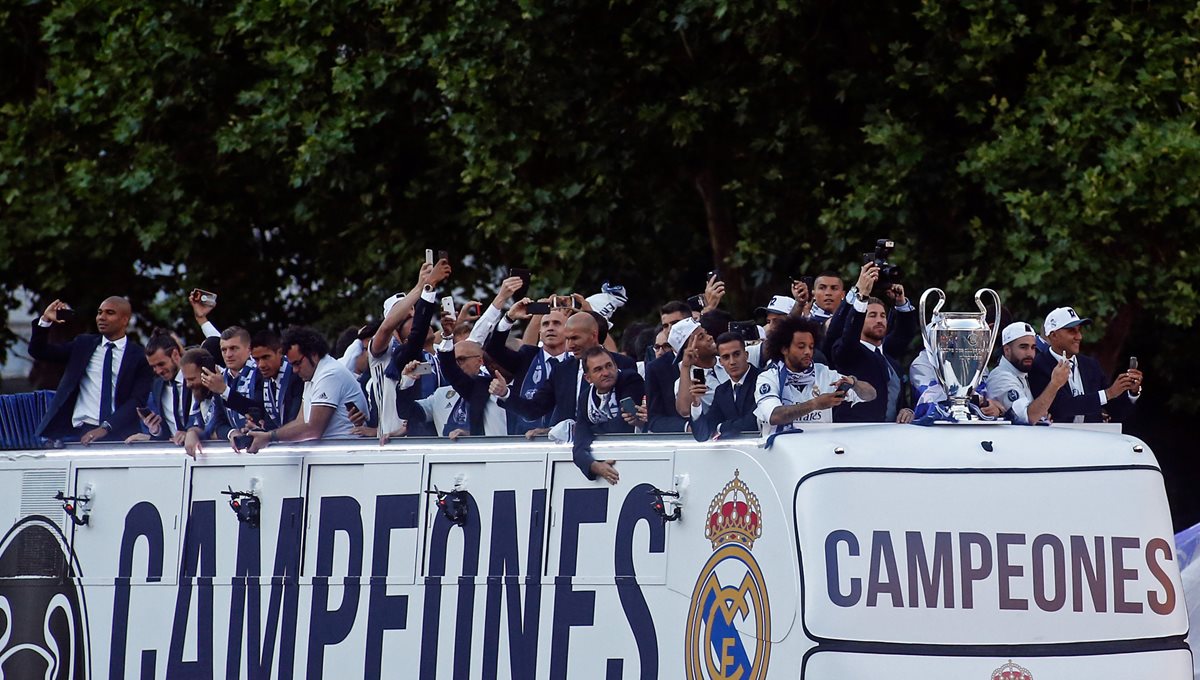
[(1086, 399), (105, 379), (793, 389), (451, 408), (1008, 383), (329, 388), (170, 403)]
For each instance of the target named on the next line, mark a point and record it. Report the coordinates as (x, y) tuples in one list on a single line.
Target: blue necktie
[(106, 383)]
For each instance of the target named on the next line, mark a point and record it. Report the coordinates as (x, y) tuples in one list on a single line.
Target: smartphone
[(808, 281), (747, 329), (443, 255), (698, 376), (143, 412), (1133, 363), (524, 275), (842, 390), (627, 406), (696, 302), (64, 314), (448, 305), (205, 296), (242, 441), (716, 273), (351, 405), (538, 307), (423, 368), (429, 256)]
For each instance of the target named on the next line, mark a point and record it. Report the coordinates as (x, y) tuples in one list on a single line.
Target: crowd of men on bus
[(824, 354)]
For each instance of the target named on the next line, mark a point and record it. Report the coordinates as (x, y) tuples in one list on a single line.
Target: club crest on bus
[(43, 626), (1011, 671), (729, 621)]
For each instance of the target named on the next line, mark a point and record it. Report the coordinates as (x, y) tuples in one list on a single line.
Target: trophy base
[(970, 422)]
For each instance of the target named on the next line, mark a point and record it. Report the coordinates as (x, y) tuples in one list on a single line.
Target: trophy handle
[(979, 294), (925, 319)]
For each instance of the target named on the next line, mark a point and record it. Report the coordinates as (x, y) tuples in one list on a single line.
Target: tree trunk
[(722, 236)]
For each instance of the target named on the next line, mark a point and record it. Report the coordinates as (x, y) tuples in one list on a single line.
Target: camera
[(889, 274)]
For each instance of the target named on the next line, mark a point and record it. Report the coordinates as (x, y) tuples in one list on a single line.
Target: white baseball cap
[(1014, 330), (779, 304), (680, 332), (391, 302), (1063, 317)]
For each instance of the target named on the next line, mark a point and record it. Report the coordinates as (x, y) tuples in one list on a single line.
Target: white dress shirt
[(87, 404)]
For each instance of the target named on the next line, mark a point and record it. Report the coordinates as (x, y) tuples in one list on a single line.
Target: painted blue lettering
[(199, 568), (504, 583), (386, 612), (635, 509), (573, 607), (142, 521), (832, 568), (431, 619), (327, 628)]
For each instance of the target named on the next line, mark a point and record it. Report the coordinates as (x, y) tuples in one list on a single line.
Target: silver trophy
[(960, 344)]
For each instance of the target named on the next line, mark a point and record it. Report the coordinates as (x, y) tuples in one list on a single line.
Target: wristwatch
[(106, 425)]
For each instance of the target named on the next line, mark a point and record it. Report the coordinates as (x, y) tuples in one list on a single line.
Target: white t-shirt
[(767, 396), (333, 385), (384, 389)]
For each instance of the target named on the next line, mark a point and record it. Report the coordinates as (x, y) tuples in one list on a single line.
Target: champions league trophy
[(960, 344)]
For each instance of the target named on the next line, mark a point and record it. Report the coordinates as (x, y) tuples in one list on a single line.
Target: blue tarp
[(19, 418)]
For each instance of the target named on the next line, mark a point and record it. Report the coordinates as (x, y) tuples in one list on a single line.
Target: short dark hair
[(715, 322), (162, 340), (829, 274), (236, 332), (268, 339), (676, 307), (785, 329), (200, 358), (212, 345), (872, 300), (730, 337), (308, 341), (593, 351)]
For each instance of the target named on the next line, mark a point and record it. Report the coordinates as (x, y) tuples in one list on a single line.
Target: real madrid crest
[(1011, 671), (730, 597)]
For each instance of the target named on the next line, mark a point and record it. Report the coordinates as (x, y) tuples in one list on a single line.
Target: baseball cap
[(1063, 317), (391, 302), (779, 304), (1014, 330), (680, 332)]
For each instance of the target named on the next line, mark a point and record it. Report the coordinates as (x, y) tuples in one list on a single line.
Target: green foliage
[(299, 157)]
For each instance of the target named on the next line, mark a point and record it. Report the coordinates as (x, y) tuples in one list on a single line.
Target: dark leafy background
[(299, 157)]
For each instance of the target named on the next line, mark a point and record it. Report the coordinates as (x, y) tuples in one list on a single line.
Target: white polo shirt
[(333, 385)]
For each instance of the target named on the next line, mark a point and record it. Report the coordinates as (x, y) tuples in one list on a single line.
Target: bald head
[(581, 333), (112, 318), (469, 356)]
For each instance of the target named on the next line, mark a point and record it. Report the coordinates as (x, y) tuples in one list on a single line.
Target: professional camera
[(889, 274)]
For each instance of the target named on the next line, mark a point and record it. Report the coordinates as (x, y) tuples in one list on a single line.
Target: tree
[(300, 157)]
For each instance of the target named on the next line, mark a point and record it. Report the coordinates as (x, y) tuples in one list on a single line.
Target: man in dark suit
[(732, 409), (529, 365), (559, 395), (869, 351), (1084, 398), (169, 405), (599, 411), (275, 392), (105, 380)]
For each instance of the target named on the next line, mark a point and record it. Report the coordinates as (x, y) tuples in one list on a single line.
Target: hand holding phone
[(64, 314), (536, 308), (1133, 363), (628, 407), (525, 275), (422, 368), (448, 306), (698, 376)]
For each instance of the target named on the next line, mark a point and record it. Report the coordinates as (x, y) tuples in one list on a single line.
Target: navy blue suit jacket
[(629, 385), (293, 393), (661, 375), (852, 358), (1065, 407), (159, 390), (559, 394), (724, 413), (133, 383)]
